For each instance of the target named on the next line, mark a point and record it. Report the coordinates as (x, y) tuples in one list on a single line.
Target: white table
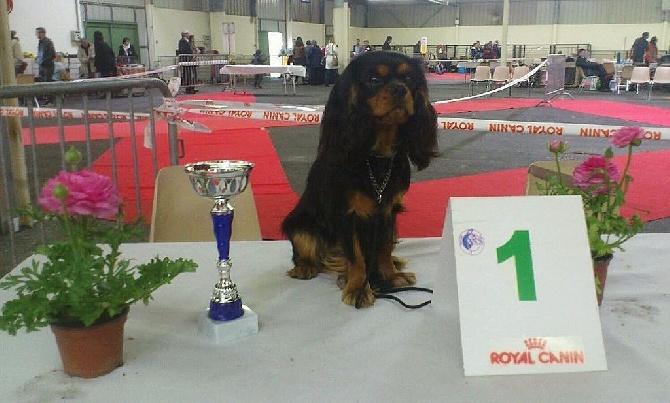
[(289, 72), (313, 348)]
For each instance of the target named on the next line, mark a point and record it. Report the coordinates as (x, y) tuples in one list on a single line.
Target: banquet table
[(288, 73), (311, 347)]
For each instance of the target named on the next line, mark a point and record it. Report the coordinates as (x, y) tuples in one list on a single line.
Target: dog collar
[(376, 186)]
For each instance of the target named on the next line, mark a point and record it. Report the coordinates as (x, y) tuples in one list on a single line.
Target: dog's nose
[(399, 91)]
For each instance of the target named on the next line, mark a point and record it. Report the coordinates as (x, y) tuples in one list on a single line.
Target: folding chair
[(500, 76), (626, 74), (482, 75), (518, 73), (540, 171), (181, 215), (661, 76), (641, 75)]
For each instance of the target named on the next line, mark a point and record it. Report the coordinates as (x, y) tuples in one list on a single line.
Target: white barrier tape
[(52, 113), (542, 128), (172, 109), (310, 114), (502, 88)]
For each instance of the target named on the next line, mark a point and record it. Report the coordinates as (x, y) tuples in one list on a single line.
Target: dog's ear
[(421, 128), (345, 119)]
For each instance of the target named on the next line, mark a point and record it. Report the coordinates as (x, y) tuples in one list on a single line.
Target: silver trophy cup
[(221, 181)]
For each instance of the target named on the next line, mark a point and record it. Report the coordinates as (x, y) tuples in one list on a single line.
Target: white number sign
[(525, 285)]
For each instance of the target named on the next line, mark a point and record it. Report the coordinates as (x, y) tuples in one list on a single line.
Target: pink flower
[(596, 175), (88, 194), (626, 136), (557, 146)]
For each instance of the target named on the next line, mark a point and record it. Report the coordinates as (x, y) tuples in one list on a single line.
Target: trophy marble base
[(225, 331)]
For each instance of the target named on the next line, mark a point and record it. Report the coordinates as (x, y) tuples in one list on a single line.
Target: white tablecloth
[(313, 348), (263, 69)]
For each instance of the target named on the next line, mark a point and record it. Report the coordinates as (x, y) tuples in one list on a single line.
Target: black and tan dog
[(377, 120)]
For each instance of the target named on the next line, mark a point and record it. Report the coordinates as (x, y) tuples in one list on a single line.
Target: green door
[(114, 32), (263, 44)]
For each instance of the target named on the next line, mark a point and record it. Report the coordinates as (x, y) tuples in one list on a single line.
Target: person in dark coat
[(593, 69), (46, 54), (639, 47), (314, 71), (127, 52), (105, 62), (185, 50)]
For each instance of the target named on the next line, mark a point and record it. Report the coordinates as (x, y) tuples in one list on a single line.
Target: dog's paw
[(303, 272), (402, 279), (359, 297), (341, 281), (399, 262)]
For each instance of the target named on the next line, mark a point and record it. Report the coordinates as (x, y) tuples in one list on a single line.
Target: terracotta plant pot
[(89, 352), (600, 265)]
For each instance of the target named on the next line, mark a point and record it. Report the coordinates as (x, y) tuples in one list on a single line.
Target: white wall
[(168, 24), (308, 32), (57, 17), (246, 33)]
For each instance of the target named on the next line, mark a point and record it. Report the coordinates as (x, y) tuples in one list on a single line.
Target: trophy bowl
[(220, 179)]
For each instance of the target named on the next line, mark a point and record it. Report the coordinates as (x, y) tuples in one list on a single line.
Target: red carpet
[(461, 77)]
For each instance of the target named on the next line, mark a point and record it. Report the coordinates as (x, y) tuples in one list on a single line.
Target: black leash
[(387, 294)]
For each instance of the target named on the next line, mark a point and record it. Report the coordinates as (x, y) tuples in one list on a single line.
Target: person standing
[(46, 54), (366, 46), (314, 63), (651, 55), (184, 51), (195, 50), (86, 56), (387, 43), (639, 47), (258, 59), (17, 54), (104, 60), (127, 52), (299, 54), (358, 48), (332, 62)]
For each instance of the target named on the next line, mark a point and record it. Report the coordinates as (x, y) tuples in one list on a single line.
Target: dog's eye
[(374, 80)]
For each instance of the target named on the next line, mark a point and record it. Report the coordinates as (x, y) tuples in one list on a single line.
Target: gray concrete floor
[(461, 153)]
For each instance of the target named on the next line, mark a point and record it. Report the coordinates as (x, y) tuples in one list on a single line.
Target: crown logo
[(535, 342)]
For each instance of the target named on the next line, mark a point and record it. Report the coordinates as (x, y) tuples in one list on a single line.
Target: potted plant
[(603, 190), (81, 284)]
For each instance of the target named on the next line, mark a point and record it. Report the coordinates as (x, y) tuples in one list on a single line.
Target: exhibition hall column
[(341, 32), (19, 171), (503, 37)]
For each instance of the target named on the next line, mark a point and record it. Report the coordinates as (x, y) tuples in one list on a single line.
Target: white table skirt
[(293, 70), (313, 348)]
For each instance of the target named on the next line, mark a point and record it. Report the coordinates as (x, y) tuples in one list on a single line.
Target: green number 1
[(518, 247)]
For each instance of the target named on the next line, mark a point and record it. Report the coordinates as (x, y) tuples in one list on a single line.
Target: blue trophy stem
[(223, 229), (225, 303)]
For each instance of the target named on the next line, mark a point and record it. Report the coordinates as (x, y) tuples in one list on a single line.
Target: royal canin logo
[(536, 354)]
